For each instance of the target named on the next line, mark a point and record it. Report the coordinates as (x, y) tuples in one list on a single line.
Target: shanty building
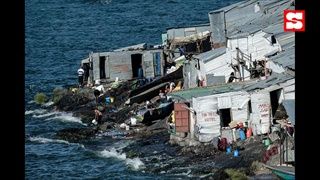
[(246, 42), (124, 63), (213, 108)]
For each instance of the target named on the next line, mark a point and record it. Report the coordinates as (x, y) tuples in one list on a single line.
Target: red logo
[(294, 20)]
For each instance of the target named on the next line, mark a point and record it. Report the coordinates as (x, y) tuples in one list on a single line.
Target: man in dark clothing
[(100, 106), (86, 72), (232, 77), (181, 51)]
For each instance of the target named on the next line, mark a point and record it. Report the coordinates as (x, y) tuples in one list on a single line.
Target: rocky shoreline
[(151, 142)]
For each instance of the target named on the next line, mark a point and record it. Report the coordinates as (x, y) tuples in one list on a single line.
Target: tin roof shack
[(245, 18), (250, 37), (253, 101), (191, 39), (283, 60), (244, 57), (217, 111), (124, 63)]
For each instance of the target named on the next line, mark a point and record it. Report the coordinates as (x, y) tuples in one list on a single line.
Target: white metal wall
[(207, 124), (261, 109), (147, 59)]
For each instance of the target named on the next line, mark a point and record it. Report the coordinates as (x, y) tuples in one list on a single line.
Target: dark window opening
[(273, 39), (191, 47), (225, 117), (206, 45), (274, 97), (102, 67), (86, 68), (136, 63), (250, 106)]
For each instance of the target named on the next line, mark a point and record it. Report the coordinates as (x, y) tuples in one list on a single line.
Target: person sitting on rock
[(98, 114), (167, 89), (149, 107), (172, 86), (162, 96), (100, 107)]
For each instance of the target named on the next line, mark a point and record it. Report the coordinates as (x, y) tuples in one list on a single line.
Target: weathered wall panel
[(207, 120), (148, 64), (261, 109), (120, 63), (217, 26), (181, 117), (96, 64)]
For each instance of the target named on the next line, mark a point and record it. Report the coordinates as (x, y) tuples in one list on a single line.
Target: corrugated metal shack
[(245, 18), (247, 42), (253, 102), (124, 63), (191, 39)]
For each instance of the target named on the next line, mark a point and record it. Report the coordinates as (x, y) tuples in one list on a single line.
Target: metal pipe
[(280, 153), (287, 148)]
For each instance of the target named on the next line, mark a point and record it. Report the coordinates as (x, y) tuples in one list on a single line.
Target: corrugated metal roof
[(285, 58), (190, 26), (134, 47), (210, 55), (289, 105), (241, 20), (272, 80), (274, 28), (190, 38), (248, 86)]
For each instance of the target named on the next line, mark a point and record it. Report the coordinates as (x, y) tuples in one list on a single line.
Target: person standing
[(140, 75), (80, 76)]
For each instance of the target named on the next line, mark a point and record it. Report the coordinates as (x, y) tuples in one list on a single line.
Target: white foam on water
[(28, 112), (45, 115), (113, 153), (134, 163), (122, 144), (47, 140), (66, 117), (36, 111), (31, 102), (48, 104)]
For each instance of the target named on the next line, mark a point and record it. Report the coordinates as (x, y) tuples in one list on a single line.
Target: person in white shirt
[(80, 76)]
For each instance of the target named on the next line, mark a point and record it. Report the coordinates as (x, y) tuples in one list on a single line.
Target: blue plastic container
[(242, 135), (228, 150), (236, 153), (108, 100)]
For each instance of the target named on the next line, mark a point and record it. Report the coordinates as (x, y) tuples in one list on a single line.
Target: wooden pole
[(287, 149)]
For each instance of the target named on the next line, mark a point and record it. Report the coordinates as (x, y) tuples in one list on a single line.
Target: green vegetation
[(131, 154), (236, 174), (58, 94), (40, 98)]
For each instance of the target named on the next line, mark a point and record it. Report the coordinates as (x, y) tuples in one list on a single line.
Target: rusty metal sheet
[(181, 117)]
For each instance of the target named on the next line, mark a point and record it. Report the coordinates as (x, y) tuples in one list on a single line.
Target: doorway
[(157, 64), (102, 65), (86, 68), (136, 63), (274, 97), (225, 117)]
